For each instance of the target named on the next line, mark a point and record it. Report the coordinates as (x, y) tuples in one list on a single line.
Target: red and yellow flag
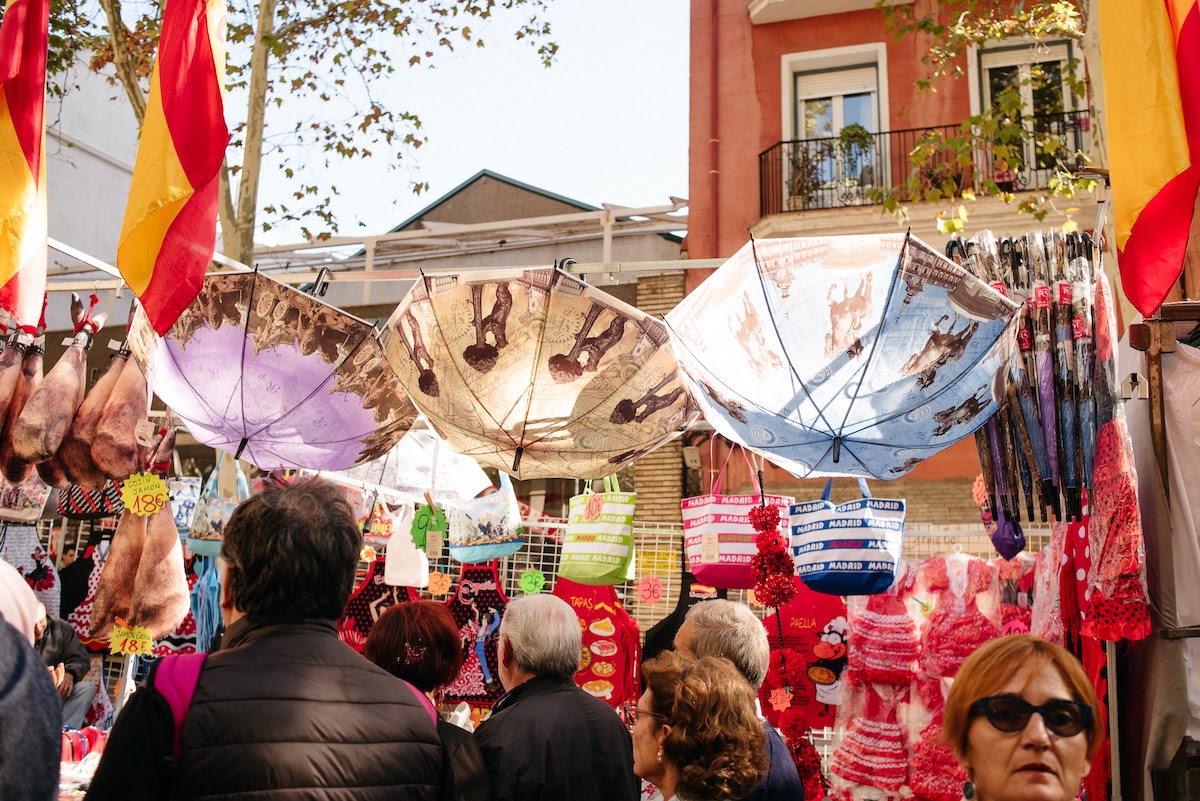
[(24, 36), (1152, 96), (170, 226)]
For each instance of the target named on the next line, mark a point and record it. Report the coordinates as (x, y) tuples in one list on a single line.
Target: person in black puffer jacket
[(284, 710)]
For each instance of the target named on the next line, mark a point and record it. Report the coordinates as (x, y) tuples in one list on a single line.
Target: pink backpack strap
[(429, 707), (175, 679)]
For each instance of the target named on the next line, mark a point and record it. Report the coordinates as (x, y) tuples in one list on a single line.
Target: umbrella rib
[(887, 304), (730, 390), (939, 393), (461, 376), (242, 361), (195, 390), (300, 403), (762, 282)]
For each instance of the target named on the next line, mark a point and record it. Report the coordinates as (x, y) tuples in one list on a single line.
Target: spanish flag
[(24, 36), (170, 226), (1152, 94)]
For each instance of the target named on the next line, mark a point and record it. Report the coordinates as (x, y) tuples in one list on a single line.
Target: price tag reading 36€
[(144, 494)]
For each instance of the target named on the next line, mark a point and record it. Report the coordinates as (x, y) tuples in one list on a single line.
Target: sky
[(607, 123)]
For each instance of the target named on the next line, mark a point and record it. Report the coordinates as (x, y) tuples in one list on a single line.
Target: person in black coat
[(418, 642), (69, 663), (284, 710), (30, 734), (546, 738)]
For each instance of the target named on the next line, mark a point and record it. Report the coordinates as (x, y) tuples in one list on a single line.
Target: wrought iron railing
[(859, 168)]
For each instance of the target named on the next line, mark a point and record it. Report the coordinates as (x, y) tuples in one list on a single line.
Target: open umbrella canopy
[(536, 373), (421, 463), (277, 377), (844, 356)]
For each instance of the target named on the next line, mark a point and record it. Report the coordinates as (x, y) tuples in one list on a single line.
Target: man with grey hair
[(546, 738), (730, 630)]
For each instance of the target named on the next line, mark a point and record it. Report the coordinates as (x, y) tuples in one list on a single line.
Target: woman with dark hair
[(418, 642), (1021, 718), (695, 732)]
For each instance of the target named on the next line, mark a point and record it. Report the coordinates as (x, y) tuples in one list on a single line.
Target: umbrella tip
[(837, 449), (517, 459), (241, 447)]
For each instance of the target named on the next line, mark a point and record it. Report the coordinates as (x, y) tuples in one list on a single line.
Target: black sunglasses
[(1011, 713)]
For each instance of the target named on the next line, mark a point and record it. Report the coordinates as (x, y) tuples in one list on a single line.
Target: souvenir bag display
[(372, 598), (185, 497), (610, 658), (489, 528), (717, 533), (478, 605), (851, 548), (225, 489), (80, 503), (406, 564), (598, 546)]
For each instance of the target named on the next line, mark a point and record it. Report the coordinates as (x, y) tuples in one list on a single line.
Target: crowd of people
[(284, 710)]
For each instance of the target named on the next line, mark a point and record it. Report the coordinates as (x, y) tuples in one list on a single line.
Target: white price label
[(68, 342), (433, 544), (710, 552), (115, 344), (144, 432)]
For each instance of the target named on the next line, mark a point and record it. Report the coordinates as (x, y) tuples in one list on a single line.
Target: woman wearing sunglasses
[(1021, 718), (695, 732)]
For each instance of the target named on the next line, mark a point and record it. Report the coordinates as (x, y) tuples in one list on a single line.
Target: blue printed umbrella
[(844, 356)]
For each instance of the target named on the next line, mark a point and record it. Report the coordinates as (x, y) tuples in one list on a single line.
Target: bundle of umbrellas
[(1042, 445)]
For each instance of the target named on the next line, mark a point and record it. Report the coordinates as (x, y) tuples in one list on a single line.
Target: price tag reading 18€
[(426, 518), (127, 640), (144, 494)]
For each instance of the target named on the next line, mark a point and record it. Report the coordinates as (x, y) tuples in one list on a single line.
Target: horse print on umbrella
[(419, 354), (626, 410), (750, 336), (482, 355), (942, 348), (565, 367), (846, 318), (961, 414)]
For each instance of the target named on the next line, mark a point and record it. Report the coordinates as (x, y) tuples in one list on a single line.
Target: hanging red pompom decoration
[(772, 566)]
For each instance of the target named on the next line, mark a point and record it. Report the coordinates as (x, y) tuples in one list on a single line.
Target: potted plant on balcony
[(855, 144)]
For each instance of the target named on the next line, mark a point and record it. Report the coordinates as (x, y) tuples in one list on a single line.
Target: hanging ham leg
[(51, 408), (10, 371), (115, 448), (51, 472), (75, 454), (16, 469), (114, 593), (160, 596)]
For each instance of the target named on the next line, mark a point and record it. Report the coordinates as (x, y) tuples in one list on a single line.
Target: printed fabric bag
[(847, 549), (489, 528), (717, 535), (23, 504), (81, 503), (598, 545), (225, 489)]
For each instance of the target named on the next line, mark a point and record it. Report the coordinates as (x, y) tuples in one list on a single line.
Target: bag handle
[(611, 484), (862, 487), (719, 480)]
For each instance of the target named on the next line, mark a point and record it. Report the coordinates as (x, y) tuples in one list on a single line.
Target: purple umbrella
[(274, 376)]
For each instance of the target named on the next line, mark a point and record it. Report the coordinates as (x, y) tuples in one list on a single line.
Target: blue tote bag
[(847, 549)]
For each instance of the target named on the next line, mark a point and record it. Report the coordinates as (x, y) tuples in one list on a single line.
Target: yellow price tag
[(130, 640), (144, 494)]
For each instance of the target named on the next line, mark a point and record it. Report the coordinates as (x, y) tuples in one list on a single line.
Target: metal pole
[(125, 683), (1110, 651)]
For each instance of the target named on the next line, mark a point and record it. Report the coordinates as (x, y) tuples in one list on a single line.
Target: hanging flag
[(24, 34), (1152, 93), (170, 226)]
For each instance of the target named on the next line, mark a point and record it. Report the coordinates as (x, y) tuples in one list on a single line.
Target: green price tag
[(532, 582), (426, 519)]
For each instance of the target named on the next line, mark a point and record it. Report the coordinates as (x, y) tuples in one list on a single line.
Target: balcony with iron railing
[(859, 168)]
